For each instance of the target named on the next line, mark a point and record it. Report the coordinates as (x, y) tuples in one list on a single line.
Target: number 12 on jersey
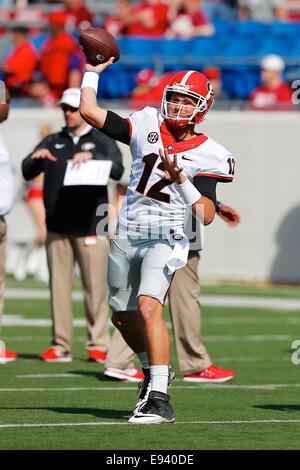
[(155, 191)]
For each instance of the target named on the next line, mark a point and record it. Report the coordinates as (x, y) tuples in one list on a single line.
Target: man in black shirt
[(72, 234)]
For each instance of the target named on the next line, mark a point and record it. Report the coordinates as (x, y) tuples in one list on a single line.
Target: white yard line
[(134, 387), (19, 321), (113, 423), (273, 303)]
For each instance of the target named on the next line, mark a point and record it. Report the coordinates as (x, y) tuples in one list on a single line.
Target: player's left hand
[(81, 157), (172, 171)]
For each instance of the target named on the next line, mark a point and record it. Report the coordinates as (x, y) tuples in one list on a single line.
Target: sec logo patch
[(153, 137)]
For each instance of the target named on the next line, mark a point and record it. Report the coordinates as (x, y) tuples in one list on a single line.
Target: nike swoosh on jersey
[(59, 146), (185, 158)]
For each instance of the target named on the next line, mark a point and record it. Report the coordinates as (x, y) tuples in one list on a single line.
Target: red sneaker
[(7, 356), (212, 374), (54, 355), (130, 375), (96, 355)]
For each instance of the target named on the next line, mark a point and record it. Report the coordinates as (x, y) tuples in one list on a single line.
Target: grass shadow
[(279, 407), (90, 373), (95, 412), (29, 356)]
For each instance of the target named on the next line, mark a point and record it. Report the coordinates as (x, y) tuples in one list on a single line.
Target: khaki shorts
[(137, 266)]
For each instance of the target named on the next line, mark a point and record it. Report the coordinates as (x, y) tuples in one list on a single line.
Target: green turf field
[(73, 406)]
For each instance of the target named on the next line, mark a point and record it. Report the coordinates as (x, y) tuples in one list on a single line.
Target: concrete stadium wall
[(266, 245)]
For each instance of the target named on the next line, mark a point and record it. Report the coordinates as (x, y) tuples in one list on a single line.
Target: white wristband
[(188, 192), (90, 80)]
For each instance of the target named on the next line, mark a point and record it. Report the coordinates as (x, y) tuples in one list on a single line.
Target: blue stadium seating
[(173, 52), (206, 50), (236, 47), (140, 51), (280, 46), (223, 29), (117, 82), (38, 40), (241, 50), (290, 30), (240, 81), (250, 29)]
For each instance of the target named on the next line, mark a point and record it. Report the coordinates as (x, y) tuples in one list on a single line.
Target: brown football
[(98, 46)]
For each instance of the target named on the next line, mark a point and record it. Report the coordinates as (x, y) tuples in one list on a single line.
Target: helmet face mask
[(198, 91)]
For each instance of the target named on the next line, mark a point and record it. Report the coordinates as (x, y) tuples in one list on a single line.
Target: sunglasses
[(66, 108)]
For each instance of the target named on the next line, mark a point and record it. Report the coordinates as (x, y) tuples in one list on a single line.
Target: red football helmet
[(195, 85)]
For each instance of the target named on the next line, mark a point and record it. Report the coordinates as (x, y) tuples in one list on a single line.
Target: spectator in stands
[(6, 201), (262, 10), (148, 18), (56, 54), (76, 66), (149, 89), (274, 94), (19, 66), (40, 90), (214, 76), (78, 16), (292, 8), (225, 10), (114, 23), (187, 20), (145, 80)]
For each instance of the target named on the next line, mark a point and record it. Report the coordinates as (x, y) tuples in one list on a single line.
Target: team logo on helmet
[(152, 137)]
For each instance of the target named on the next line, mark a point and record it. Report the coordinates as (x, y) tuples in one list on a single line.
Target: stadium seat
[(117, 82), (206, 50), (280, 46), (223, 29), (283, 30), (250, 29), (241, 50), (38, 40), (140, 51), (174, 52), (240, 81)]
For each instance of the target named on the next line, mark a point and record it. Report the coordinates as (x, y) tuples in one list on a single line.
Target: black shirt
[(72, 209)]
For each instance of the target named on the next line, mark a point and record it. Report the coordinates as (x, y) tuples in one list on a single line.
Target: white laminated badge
[(91, 173), (2, 92)]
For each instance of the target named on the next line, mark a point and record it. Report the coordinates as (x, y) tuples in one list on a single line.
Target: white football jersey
[(153, 203)]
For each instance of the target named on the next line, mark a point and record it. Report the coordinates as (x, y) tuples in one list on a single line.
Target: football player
[(150, 242)]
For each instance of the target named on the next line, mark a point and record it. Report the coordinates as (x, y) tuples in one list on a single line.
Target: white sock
[(159, 378), (143, 357)]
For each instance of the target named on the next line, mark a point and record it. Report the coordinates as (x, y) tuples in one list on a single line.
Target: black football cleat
[(156, 410)]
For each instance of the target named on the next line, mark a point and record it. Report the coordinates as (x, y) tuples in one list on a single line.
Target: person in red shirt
[(187, 20), (149, 89), (114, 23), (78, 16), (274, 94), (20, 65), (147, 19), (56, 54)]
